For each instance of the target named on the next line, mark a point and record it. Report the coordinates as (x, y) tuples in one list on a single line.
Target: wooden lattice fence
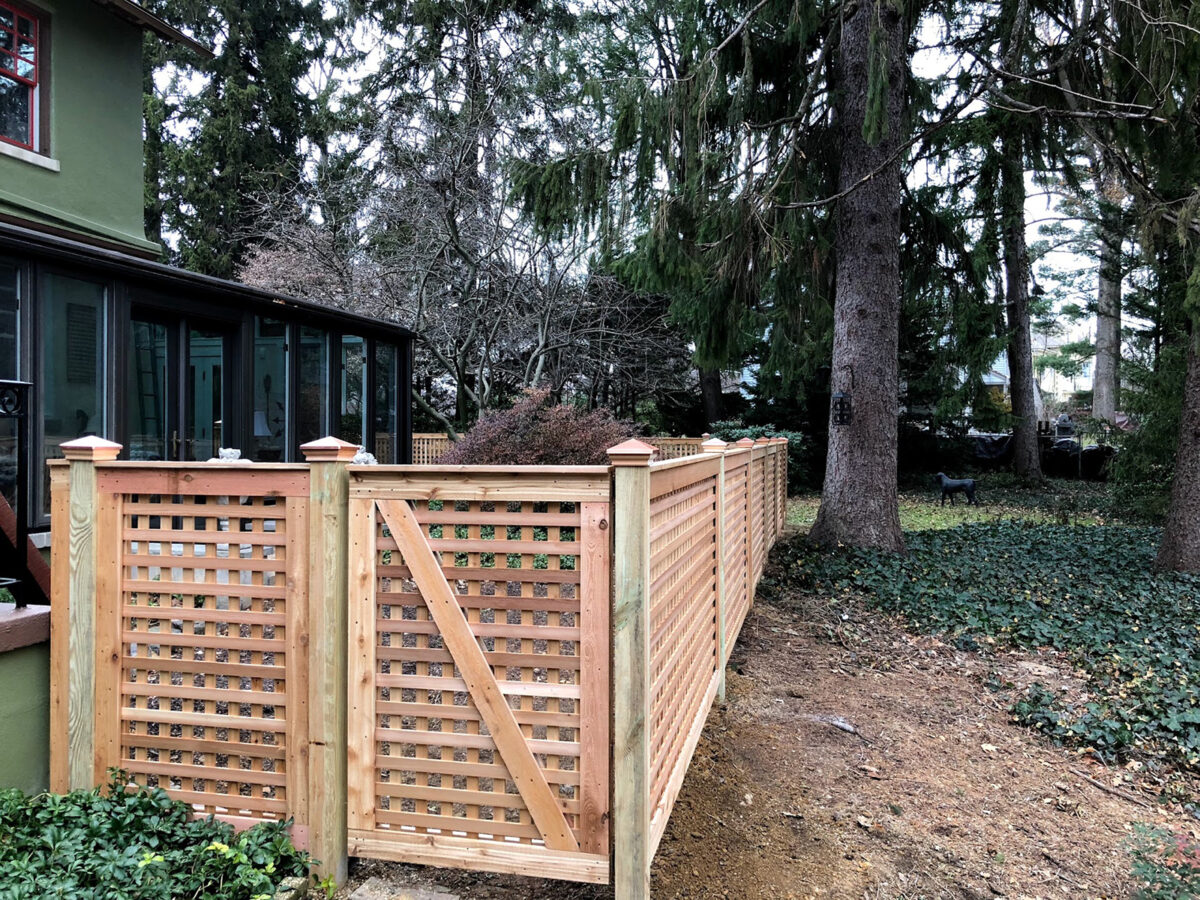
[(427, 448), (498, 668)]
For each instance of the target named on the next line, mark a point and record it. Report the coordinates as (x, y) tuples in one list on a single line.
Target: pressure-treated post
[(631, 670), (328, 628), (716, 445), (79, 628)]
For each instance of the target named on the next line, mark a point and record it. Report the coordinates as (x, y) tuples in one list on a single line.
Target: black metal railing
[(14, 406)]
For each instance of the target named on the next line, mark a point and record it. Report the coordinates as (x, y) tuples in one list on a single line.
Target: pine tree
[(858, 503), (218, 153)]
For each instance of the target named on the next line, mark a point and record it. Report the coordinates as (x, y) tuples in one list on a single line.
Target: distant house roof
[(130, 11)]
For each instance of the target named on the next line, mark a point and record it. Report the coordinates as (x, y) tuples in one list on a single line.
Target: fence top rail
[(506, 484), (244, 465), (546, 471), (696, 459)]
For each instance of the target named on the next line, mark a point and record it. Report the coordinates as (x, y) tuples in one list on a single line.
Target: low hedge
[(122, 842)]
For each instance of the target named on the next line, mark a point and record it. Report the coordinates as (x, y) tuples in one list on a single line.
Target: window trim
[(39, 115)]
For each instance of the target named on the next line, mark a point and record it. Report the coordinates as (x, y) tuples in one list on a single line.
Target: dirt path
[(937, 795)]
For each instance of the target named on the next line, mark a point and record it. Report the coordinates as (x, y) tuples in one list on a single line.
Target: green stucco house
[(170, 364)]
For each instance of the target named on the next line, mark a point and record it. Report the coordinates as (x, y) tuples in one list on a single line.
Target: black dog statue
[(952, 486)]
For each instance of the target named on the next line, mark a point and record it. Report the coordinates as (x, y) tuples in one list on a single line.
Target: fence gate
[(478, 713)]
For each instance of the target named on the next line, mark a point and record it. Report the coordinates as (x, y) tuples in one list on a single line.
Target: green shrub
[(1166, 865), (120, 843), (805, 471)]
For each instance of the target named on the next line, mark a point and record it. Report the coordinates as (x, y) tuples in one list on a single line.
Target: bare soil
[(853, 759)]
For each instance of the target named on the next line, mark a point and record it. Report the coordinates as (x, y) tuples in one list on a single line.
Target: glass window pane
[(10, 285), (16, 101), (204, 422), (350, 404), (10, 292), (385, 403), (270, 390), (146, 391), (312, 406), (72, 377)]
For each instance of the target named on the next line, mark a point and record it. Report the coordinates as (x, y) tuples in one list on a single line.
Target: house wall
[(25, 718), (95, 131)]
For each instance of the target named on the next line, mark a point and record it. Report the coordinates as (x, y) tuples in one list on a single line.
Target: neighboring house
[(1054, 384), (170, 364), (998, 380)]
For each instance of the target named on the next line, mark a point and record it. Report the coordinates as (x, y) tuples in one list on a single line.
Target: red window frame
[(12, 74)]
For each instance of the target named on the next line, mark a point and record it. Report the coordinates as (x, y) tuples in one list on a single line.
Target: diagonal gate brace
[(427, 572)]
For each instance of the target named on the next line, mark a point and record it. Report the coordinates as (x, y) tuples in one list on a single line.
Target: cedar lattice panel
[(683, 595), (771, 485), (737, 588), (203, 684), (758, 531), (514, 569)]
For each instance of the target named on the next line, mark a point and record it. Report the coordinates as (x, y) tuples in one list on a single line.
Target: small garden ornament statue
[(952, 486)]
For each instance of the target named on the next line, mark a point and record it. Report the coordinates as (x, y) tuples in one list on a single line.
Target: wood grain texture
[(209, 479), (505, 857), (595, 607), (360, 761), (297, 674), (631, 675), (60, 627), (327, 665), (480, 682), (81, 677), (107, 742)]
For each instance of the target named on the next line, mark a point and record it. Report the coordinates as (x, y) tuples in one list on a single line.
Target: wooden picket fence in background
[(428, 447), (500, 668)]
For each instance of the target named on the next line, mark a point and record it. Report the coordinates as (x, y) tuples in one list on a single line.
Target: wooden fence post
[(631, 670), (80, 626), (328, 628), (716, 445)]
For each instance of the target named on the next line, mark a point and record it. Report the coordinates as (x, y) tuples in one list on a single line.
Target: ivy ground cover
[(135, 844), (1088, 591)]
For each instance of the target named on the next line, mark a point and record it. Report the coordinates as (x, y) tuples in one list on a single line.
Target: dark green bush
[(805, 471), (115, 843)]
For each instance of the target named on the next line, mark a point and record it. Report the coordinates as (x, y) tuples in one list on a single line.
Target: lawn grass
[(1001, 499), (1052, 569)]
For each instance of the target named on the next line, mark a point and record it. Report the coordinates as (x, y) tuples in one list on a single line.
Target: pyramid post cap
[(90, 449), (745, 442), (631, 453), (713, 445), (329, 449)]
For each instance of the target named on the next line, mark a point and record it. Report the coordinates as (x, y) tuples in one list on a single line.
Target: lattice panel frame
[(683, 608), (757, 500), (531, 578), (738, 590), (210, 677)]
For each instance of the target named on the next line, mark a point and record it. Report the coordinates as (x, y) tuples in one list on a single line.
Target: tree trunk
[(1180, 549), (710, 390), (1026, 461), (1106, 383), (858, 503)]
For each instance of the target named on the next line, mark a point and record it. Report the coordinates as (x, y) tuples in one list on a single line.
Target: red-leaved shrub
[(538, 432)]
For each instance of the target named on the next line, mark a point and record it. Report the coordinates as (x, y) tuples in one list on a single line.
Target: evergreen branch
[(895, 155)]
